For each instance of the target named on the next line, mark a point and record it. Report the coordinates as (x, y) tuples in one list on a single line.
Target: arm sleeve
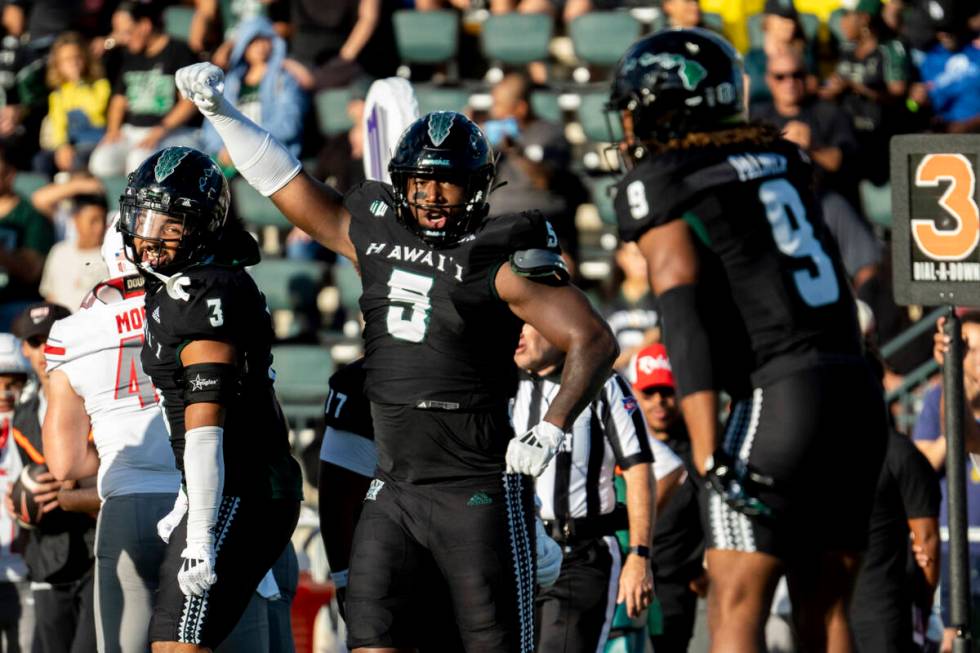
[(623, 423), (350, 451)]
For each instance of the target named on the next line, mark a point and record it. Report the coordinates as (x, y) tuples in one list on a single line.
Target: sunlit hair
[(751, 134), (91, 68)]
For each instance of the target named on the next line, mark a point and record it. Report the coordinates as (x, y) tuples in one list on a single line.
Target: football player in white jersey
[(97, 383)]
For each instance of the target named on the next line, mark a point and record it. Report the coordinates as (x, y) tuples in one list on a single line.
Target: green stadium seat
[(592, 116), (601, 37), (114, 187), (302, 375), (876, 202), (599, 188), (441, 98), (426, 37), (177, 21), (348, 283), (516, 39), (544, 105), (712, 21), (331, 111), (255, 209), (289, 284), (833, 23), (25, 183)]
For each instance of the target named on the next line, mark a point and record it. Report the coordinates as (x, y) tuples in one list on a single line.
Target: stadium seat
[(348, 282), (114, 187), (440, 98), (592, 116), (177, 21), (601, 37), (255, 209), (331, 111), (289, 284), (599, 189), (302, 373), (516, 39), (427, 37), (877, 203), (544, 105), (712, 21), (25, 183)]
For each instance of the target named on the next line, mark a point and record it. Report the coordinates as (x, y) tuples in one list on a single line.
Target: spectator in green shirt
[(25, 238)]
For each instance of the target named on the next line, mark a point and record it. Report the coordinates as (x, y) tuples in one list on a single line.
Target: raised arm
[(266, 165), (563, 315)]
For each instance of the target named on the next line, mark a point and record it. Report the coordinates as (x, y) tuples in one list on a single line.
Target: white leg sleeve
[(204, 472)]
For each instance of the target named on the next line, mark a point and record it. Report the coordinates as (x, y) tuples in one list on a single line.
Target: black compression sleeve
[(686, 340)]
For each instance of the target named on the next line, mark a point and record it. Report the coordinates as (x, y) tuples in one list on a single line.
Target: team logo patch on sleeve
[(629, 404)]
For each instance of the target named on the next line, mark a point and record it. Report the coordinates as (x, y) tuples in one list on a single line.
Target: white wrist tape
[(204, 473), (261, 160)]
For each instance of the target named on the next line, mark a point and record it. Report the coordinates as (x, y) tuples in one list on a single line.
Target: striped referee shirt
[(611, 431)]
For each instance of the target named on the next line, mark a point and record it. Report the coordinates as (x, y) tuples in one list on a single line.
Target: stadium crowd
[(88, 93)]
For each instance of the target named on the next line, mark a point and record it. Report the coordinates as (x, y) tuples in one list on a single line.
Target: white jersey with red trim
[(98, 348)]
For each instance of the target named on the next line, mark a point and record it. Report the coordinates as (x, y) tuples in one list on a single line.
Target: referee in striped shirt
[(578, 503)]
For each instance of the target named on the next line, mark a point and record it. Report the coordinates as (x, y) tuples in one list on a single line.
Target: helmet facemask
[(156, 241), (415, 198)]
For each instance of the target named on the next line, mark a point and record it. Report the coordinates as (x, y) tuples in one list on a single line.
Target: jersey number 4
[(408, 316), (818, 285), (130, 377)]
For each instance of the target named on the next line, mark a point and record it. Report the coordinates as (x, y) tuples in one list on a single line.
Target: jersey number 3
[(408, 317), (794, 237)]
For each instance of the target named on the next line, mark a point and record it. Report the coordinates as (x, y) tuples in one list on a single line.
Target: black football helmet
[(449, 146), (178, 194), (675, 82)]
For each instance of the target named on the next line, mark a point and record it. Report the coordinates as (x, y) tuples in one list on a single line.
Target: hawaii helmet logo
[(168, 162), (440, 124), (691, 72)]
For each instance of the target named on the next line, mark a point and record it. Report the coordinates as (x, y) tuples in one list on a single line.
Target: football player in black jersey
[(207, 345), (755, 303), (445, 291)]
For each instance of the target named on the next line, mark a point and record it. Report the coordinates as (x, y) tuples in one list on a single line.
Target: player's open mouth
[(434, 221)]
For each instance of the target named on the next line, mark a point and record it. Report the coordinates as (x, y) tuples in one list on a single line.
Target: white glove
[(196, 575), (259, 158), (549, 555), (166, 526), (530, 453), (204, 85)]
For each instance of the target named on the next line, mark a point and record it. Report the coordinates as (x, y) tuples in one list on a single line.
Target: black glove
[(738, 484)]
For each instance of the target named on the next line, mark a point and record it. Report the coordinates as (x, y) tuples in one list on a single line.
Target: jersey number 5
[(408, 317), (130, 377), (794, 237)]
